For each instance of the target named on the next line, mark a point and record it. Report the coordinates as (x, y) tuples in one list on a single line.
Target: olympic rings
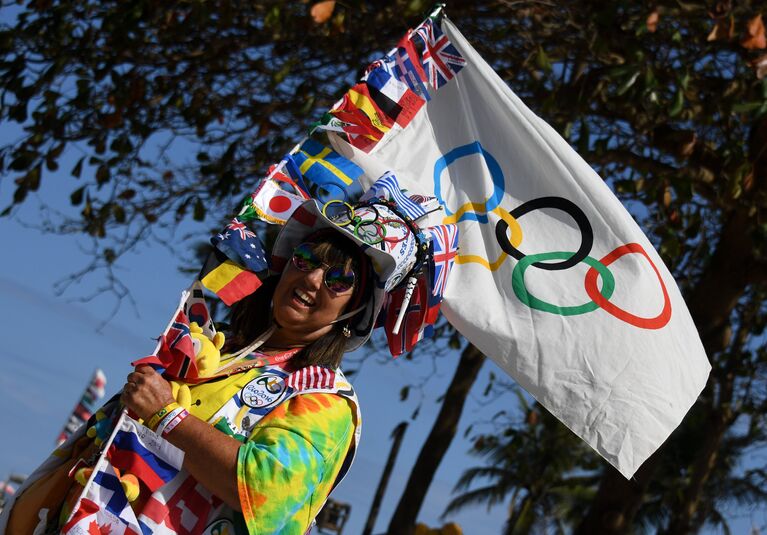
[(590, 283), (337, 217), (508, 234), (518, 284), (570, 208)]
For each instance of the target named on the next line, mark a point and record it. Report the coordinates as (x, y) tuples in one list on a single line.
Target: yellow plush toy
[(207, 355)]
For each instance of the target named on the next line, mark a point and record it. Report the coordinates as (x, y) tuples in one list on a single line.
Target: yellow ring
[(349, 206), (516, 230), (514, 227)]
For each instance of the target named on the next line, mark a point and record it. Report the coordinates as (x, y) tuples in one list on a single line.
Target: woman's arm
[(210, 456)]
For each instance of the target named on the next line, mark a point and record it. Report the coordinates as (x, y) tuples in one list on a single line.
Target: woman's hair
[(251, 316)]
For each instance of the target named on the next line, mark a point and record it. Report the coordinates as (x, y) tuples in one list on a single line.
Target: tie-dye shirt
[(288, 464)]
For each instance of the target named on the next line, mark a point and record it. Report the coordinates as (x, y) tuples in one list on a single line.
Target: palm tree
[(532, 463)]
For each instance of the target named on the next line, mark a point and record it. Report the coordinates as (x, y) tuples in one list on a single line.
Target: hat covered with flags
[(407, 284)]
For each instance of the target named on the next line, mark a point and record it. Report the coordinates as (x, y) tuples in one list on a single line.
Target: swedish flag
[(325, 167)]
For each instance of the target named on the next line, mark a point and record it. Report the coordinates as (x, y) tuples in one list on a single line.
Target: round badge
[(266, 390)]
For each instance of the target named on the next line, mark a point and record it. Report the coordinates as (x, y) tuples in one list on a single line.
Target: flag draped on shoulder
[(553, 279)]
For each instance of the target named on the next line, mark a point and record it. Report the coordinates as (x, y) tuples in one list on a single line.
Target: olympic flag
[(554, 280)]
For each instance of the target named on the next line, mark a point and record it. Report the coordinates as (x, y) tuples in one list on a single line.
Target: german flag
[(228, 280)]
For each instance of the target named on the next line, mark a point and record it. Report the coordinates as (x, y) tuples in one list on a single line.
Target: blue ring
[(499, 182)]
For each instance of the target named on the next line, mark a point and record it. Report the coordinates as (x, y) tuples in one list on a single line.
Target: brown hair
[(251, 316)]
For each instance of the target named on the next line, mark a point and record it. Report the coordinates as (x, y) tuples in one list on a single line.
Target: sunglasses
[(338, 279)]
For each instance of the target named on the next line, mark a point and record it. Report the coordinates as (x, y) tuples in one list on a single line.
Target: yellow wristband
[(155, 419)]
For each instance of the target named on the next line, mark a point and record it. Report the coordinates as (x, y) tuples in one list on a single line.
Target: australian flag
[(242, 246), (440, 58), (444, 244)]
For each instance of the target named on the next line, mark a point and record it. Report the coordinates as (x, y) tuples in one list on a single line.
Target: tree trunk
[(711, 302), (397, 435), (434, 448)]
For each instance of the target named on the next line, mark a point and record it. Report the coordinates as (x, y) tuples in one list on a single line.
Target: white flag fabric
[(554, 280)]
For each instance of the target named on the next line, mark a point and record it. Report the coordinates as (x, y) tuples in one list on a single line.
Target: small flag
[(413, 325), (348, 110), (175, 357), (326, 167), (225, 278), (138, 451), (406, 66), (271, 203), (441, 60), (242, 246), (392, 96), (291, 176), (359, 96), (196, 309), (85, 407), (104, 509), (387, 187), (444, 241)]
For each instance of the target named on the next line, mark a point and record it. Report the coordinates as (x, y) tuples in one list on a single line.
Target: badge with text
[(266, 390)]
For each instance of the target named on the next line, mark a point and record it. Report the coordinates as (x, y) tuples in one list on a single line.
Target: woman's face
[(304, 307)]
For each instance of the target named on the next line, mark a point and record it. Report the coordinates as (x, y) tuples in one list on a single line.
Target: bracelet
[(167, 418), (155, 419), (176, 419)]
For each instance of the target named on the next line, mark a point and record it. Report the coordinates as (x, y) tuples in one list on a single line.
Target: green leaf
[(403, 393)]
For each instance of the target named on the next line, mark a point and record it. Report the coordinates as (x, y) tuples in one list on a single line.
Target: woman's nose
[(314, 277)]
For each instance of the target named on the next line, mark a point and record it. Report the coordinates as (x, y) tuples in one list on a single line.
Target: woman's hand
[(146, 392)]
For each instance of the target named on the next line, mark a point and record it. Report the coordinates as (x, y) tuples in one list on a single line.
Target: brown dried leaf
[(322, 11), (652, 21), (755, 37), (760, 66)]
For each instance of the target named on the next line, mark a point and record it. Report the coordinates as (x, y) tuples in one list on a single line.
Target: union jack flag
[(440, 58), (444, 239)]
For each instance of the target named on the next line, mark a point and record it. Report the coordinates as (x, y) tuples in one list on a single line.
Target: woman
[(268, 437)]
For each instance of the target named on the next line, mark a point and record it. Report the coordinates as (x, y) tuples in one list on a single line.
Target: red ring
[(399, 222), (593, 292)]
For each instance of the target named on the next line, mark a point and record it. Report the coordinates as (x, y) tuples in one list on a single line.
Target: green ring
[(518, 283), (375, 222)]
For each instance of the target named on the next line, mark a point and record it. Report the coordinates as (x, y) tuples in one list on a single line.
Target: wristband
[(167, 418), (155, 419), (177, 419)]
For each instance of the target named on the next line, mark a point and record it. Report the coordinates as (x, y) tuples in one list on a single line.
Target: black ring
[(559, 203)]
